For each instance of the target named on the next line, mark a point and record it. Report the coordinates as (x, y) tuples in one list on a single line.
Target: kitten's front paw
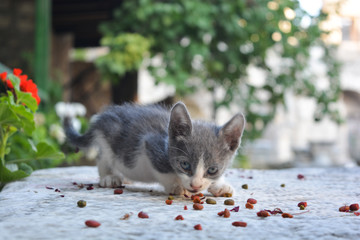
[(110, 181), (219, 189)]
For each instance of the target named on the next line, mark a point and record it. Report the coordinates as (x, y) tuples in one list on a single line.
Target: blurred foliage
[(211, 44), (126, 53)]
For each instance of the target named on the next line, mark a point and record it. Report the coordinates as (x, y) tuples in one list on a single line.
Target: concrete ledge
[(29, 209)]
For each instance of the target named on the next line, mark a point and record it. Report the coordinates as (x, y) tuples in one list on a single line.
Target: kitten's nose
[(196, 188)]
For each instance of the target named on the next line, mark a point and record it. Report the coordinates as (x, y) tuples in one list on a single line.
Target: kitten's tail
[(74, 138)]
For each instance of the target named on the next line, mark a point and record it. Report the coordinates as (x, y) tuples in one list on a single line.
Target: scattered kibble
[(229, 202), (126, 216), (249, 205), (282, 185), (118, 191), (354, 207), (179, 217), (235, 209), (196, 199), (168, 202), (263, 213), (300, 177), (287, 215), (185, 208), (210, 201), (344, 209), (227, 195), (239, 224), (171, 197), (143, 215), (302, 205), (226, 213), (198, 206), (81, 203), (245, 186), (92, 223), (198, 227), (252, 201)]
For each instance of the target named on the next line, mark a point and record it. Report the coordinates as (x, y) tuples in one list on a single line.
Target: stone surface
[(29, 209)]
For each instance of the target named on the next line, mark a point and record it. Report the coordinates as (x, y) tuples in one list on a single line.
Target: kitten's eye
[(185, 165), (212, 170)]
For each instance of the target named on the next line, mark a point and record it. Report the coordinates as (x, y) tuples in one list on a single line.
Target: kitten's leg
[(220, 187), (108, 176)]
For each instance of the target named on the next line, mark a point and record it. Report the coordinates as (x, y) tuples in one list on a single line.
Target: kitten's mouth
[(192, 191)]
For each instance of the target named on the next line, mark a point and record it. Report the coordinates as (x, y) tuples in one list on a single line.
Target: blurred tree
[(211, 44)]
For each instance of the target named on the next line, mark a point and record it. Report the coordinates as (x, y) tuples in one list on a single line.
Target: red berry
[(168, 202), (198, 227), (92, 223)]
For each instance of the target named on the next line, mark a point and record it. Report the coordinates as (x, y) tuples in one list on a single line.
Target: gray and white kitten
[(152, 144)]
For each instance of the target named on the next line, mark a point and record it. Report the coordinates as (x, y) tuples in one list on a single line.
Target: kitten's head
[(199, 152)]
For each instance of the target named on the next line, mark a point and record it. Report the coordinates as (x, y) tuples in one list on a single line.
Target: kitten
[(151, 144)]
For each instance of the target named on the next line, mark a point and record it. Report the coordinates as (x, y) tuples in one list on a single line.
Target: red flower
[(30, 87), (3, 76), (17, 71), (25, 84)]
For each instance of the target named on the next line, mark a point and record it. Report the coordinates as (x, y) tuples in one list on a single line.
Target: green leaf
[(26, 117), (15, 81), (8, 176), (8, 117), (26, 168), (45, 151), (28, 100)]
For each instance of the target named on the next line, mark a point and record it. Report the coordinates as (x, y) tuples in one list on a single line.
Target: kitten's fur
[(151, 144)]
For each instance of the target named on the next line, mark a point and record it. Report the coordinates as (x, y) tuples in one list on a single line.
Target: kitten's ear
[(180, 122), (232, 131)]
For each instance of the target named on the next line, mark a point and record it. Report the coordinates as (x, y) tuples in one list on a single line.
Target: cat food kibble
[(143, 215), (196, 199), (210, 201), (354, 207), (252, 201), (198, 227), (239, 224), (302, 205), (118, 191), (179, 217), (198, 206), (81, 203), (92, 223), (168, 202), (227, 195), (226, 213), (229, 202), (344, 209), (282, 185), (287, 215), (263, 213), (171, 197), (249, 205), (185, 208), (245, 186)]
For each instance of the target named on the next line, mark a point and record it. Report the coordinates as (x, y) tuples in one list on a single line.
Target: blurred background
[(292, 67)]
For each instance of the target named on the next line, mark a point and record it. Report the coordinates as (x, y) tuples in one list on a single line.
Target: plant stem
[(5, 136)]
